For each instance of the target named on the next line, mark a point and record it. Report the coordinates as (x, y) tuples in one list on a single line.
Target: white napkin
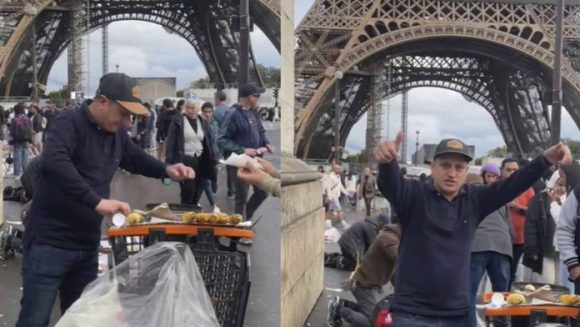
[(241, 160)]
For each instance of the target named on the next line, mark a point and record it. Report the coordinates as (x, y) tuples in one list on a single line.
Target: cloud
[(144, 49), (437, 114)]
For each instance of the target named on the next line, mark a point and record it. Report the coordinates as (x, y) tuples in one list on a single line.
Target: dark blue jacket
[(236, 134), (77, 166), (433, 269)]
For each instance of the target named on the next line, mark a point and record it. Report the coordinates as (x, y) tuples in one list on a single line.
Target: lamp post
[(337, 77), (244, 51), (417, 149), (557, 78), (117, 67)]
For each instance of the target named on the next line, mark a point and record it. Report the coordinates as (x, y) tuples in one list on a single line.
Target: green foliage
[(499, 152), (202, 83), (270, 75), (574, 146)]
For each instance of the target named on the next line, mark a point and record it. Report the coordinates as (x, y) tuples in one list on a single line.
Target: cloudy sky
[(146, 50), (436, 114)]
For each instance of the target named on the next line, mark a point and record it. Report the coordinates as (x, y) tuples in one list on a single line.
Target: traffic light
[(275, 93)]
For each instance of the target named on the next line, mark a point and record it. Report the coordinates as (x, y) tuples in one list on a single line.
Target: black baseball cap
[(249, 90), (123, 89), (454, 146)]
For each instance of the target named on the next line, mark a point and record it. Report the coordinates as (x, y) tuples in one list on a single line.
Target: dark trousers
[(231, 172), (497, 266), (368, 205), (518, 251), (244, 206), (192, 189), (360, 313), (577, 286), (48, 271), (405, 319)]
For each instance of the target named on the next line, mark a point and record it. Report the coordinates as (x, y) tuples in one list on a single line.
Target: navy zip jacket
[(237, 132), (77, 166), (433, 269)]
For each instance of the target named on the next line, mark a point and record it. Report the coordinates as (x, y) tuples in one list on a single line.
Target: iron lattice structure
[(208, 25), (499, 54)]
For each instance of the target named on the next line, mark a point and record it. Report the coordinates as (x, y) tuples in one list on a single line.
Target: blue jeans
[(405, 319), (48, 270), (20, 157), (210, 189), (498, 268)]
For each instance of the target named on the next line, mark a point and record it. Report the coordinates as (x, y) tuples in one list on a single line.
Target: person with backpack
[(20, 138)]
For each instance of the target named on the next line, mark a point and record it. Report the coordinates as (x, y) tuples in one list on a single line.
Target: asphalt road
[(263, 309)]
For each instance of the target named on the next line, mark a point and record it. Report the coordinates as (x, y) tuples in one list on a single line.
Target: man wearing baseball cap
[(83, 150), (242, 132), (439, 220)]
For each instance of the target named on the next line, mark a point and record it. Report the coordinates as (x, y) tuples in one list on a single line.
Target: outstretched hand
[(387, 151), (559, 153), (179, 172)]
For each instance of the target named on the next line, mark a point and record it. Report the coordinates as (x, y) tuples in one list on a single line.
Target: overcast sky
[(145, 49), (437, 114)]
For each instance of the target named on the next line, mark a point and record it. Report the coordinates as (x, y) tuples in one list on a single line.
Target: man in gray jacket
[(568, 236), (491, 250)]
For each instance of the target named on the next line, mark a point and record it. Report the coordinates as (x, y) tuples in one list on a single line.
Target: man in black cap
[(241, 133), (438, 221), (83, 150)]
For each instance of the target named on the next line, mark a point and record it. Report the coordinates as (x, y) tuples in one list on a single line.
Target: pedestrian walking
[(190, 141), (83, 150), (166, 114), (38, 123), (243, 133), (211, 185), (20, 138), (221, 115), (368, 189)]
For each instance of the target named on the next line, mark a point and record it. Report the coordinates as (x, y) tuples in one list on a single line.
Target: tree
[(574, 147), (498, 152), (179, 94), (270, 75), (202, 83)]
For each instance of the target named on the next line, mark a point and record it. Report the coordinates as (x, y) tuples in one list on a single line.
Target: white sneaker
[(216, 209)]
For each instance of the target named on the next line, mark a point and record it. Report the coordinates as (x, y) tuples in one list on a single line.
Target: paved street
[(263, 308)]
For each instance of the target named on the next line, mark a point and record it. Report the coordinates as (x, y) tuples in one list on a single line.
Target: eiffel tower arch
[(499, 54), (207, 25)]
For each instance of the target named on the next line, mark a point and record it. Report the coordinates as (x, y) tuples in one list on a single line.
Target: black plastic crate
[(224, 269)]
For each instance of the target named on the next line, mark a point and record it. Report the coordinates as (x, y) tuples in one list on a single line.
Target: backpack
[(21, 129)]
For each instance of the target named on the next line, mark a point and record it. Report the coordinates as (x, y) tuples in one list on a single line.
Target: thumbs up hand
[(387, 151)]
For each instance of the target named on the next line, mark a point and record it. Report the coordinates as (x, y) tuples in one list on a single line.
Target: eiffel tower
[(499, 54), (208, 25)]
